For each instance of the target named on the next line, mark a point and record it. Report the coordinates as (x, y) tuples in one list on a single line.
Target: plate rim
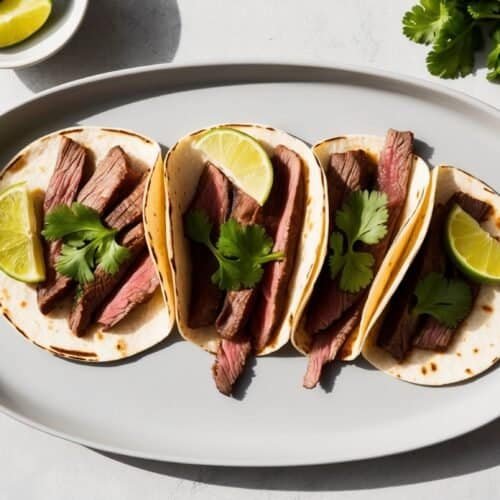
[(382, 75)]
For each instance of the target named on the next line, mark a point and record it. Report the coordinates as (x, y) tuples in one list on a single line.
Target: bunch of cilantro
[(456, 30)]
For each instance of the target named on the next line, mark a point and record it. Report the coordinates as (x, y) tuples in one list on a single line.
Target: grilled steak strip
[(138, 288), (393, 175), (212, 197), (347, 172), (238, 304), (327, 344), (112, 176), (230, 362), (400, 326), (129, 210), (283, 218), (97, 291), (434, 335), (62, 189)]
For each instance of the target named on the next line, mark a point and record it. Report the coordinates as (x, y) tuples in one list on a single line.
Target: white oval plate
[(163, 405), (62, 24)]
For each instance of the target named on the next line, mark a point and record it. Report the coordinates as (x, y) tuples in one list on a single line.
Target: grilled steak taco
[(376, 192), (104, 293), (242, 267), (441, 325)]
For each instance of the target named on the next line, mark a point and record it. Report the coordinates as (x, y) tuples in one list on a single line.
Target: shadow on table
[(475, 451), (114, 34)]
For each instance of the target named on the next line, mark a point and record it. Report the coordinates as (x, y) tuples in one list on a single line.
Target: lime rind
[(241, 158), (475, 252)]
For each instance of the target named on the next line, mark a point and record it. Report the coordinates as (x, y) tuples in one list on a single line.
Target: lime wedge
[(474, 250), (21, 254), (241, 158), (19, 19)]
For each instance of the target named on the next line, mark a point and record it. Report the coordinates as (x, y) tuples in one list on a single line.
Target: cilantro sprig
[(87, 243), (362, 218), (454, 28), (448, 301), (241, 251)]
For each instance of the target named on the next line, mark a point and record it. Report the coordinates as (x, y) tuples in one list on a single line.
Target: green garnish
[(241, 251), (87, 243), (453, 27), (362, 218), (448, 301)]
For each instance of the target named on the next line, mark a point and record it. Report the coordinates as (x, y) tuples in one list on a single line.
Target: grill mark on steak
[(129, 210), (112, 177), (103, 190), (238, 304), (61, 190), (393, 175), (213, 197), (230, 362), (347, 172), (95, 293), (283, 219), (137, 289)]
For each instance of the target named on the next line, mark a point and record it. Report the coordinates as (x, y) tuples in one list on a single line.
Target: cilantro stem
[(270, 257)]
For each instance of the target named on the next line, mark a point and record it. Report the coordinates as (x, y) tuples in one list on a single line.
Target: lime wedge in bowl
[(21, 255), (475, 252), (241, 158), (20, 19)]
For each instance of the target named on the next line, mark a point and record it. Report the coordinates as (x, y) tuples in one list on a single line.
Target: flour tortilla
[(183, 167), (149, 323), (402, 249), (476, 344)]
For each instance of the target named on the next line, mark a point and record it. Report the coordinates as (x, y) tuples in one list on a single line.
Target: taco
[(257, 313), (376, 190), (440, 325), (88, 308)]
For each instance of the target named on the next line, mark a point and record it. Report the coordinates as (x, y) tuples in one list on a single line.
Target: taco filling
[(432, 280), (366, 200), (112, 195), (241, 270)]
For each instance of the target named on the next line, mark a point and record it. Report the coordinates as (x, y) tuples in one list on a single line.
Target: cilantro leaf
[(448, 301), (362, 218), (452, 54), (424, 21), (358, 271), (241, 251), (484, 9), (87, 243), (493, 60)]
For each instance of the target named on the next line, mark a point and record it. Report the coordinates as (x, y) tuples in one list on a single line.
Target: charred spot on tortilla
[(433, 366), (72, 131), (15, 165), (423, 369), (23, 304), (475, 350), (74, 353), (468, 371), (121, 346)]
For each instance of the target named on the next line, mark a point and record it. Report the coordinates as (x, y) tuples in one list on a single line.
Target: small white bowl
[(62, 24)]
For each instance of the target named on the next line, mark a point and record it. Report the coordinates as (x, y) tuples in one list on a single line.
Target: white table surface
[(124, 33)]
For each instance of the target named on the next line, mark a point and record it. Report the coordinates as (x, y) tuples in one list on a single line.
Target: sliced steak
[(477, 209), (238, 304), (347, 172), (400, 326), (393, 175), (62, 189), (129, 210), (111, 179), (213, 197), (137, 289), (327, 344), (230, 362), (94, 294), (283, 218)]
